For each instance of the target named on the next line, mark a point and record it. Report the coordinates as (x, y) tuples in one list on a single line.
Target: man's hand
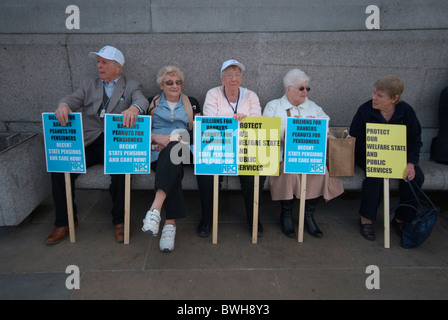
[(61, 114), (130, 116)]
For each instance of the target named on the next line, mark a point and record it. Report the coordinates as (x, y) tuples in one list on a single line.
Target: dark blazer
[(88, 99), (404, 114)]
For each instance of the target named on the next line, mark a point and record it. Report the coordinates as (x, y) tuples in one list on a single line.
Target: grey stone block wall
[(41, 60)]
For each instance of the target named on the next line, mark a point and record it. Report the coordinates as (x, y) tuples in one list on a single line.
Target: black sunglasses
[(171, 82), (303, 88)]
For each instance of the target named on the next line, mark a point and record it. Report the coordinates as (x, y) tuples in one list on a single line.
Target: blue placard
[(127, 150), (215, 141), (64, 145), (305, 145)]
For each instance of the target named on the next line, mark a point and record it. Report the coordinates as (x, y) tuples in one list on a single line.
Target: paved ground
[(276, 268)]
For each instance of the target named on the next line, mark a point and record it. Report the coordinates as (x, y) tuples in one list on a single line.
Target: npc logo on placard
[(228, 169), (141, 167), (317, 168), (77, 166)]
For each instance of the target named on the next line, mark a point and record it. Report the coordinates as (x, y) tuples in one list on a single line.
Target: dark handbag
[(420, 228)]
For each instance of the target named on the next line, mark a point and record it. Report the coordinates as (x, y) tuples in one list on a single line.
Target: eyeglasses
[(231, 76), (304, 88), (171, 82)]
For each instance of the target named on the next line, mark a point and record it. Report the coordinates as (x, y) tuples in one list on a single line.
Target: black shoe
[(203, 229), (367, 231), (310, 224), (398, 226)]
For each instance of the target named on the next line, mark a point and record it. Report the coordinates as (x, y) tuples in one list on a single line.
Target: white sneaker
[(167, 238), (151, 222)]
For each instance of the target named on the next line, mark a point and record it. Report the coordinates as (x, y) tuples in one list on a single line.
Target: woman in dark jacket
[(386, 107)]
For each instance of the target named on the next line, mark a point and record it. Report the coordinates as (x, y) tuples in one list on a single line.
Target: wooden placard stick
[(127, 207), (302, 206), (68, 194), (386, 214), (255, 213), (215, 208)]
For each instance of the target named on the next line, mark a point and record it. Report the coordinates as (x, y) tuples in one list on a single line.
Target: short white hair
[(294, 77)]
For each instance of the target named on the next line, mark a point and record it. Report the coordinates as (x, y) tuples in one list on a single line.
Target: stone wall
[(41, 60)]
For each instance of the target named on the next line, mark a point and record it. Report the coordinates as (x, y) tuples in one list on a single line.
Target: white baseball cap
[(232, 62), (109, 53)]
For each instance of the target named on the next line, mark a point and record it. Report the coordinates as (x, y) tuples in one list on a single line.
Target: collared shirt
[(109, 87), (278, 107), (168, 121)]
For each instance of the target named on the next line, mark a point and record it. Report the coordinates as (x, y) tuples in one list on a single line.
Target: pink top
[(216, 104)]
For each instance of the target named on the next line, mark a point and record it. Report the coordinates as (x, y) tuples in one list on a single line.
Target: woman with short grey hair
[(295, 76), (284, 187)]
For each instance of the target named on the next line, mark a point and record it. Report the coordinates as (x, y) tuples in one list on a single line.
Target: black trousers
[(205, 185), (169, 179), (372, 195), (94, 155)]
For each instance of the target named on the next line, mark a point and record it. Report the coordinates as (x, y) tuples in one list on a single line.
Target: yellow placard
[(259, 146), (385, 150)]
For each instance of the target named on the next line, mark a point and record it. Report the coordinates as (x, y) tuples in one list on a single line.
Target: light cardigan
[(278, 107), (216, 104)]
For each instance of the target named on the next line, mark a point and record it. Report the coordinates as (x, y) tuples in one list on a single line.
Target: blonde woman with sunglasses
[(172, 121)]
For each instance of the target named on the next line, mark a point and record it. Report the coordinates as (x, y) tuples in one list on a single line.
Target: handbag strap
[(420, 190)]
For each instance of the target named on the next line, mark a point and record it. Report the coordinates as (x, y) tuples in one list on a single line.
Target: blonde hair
[(391, 85), (171, 70)]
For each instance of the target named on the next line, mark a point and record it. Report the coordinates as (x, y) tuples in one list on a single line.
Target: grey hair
[(294, 77)]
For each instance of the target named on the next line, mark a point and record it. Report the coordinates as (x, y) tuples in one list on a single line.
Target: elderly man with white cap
[(229, 100), (113, 93)]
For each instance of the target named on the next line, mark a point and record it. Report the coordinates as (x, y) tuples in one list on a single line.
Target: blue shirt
[(109, 87), (165, 120)]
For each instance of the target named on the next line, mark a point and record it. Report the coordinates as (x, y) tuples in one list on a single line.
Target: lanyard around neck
[(237, 101)]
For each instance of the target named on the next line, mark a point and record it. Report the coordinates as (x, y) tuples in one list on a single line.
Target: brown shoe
[(119, 232), (58, 234)]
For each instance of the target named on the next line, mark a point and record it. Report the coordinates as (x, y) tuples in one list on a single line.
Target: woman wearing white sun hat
[(229, 100)]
